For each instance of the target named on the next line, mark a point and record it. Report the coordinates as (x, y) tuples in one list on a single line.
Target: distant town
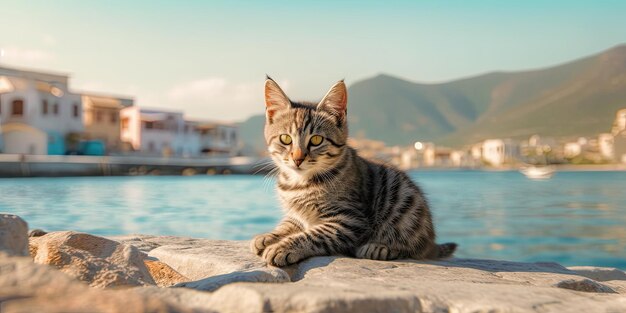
[(41, 115), (605, 148)]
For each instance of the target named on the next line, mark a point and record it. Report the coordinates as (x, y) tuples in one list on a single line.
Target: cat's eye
[(285, 139), (316, 140)]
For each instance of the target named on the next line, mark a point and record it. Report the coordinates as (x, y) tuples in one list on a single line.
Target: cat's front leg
[(324, 239), (285, 228), (375, 251)]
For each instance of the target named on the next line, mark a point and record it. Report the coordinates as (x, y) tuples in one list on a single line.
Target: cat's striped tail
[(445, 250)]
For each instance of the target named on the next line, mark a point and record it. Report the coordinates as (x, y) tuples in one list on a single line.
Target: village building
[(158, 132), (619, 136), (619, 125), (218, 138), (101, 118), (572, 149), (605, 146), (498, 152), (38, 113)]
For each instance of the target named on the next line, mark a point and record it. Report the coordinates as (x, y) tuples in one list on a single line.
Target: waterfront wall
[(20, 165)]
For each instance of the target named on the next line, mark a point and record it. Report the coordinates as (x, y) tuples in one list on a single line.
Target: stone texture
[(338, 284), (259, 275), (198, 301), (585, 285), (210, 264), (13, 235), (98, 261), (599, 273), (240, 282), (27, 287), (163, 274)]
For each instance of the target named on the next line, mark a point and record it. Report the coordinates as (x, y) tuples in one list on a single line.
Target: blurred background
[(125, 117)]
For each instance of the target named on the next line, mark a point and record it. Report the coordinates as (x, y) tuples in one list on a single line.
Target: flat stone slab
[(241, 282), (209, 264)]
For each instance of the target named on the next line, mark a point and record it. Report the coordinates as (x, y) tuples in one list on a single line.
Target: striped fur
[(336, 202)]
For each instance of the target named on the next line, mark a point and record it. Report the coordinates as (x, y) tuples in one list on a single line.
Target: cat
[(335, 202)]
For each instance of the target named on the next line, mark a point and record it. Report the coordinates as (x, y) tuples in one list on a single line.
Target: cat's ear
[(275, 99), (336, 100)]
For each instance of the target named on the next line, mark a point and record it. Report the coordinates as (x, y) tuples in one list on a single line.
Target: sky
[(209, 58)]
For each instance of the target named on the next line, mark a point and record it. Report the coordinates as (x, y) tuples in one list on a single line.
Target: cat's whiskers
[(268, 178), (263, 165)]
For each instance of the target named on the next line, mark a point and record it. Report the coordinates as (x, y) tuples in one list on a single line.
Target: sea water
[(575, 218)]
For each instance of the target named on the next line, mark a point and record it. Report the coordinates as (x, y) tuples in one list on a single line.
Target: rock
[(262, 275), (599, 273), (241, 282), (198, 258), (209, 263), (339, 284), (146, 243), (98, 261), (163, 274), (349, 285), (198, 301), (585, 285), (28, 287), (36, 233), (13, 235)]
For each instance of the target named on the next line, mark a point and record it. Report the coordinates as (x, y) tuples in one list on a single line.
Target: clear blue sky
[(209, 58)]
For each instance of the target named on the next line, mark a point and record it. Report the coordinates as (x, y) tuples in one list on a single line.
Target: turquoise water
[(575, 218)]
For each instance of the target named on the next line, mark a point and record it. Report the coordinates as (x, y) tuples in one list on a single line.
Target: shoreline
[(559, 168), (144, 273)]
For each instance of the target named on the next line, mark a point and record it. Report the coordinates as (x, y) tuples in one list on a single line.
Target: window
[(55, 109), (113, 117), (17, 108), (98, 116), (125, 122), (149, 125), (75, 109), (44, 107)]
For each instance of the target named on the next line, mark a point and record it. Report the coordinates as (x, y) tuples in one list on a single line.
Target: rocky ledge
[(77, 272)]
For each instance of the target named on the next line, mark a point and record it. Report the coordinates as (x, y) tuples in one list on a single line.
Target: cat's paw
[(375, 251), (260, 242), (280, 255)]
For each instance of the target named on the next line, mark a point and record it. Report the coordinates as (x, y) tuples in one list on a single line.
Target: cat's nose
[(298, 157)]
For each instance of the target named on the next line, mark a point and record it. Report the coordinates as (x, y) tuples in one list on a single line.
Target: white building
[(35, 104), (218, 138), (620, 122), (497, 152), (159, 133), (477, 152), (619, 139), (572, 149), (605, 146)]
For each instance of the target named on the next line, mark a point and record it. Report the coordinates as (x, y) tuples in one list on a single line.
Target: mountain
[(577, 98), (251, 134)]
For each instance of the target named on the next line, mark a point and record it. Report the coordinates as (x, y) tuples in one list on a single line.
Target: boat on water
[(538, 172)]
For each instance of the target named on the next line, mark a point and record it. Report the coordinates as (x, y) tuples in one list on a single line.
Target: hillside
[(573, 99), (251, 133)]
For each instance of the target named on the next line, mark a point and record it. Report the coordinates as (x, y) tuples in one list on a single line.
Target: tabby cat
[(336, 202)]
